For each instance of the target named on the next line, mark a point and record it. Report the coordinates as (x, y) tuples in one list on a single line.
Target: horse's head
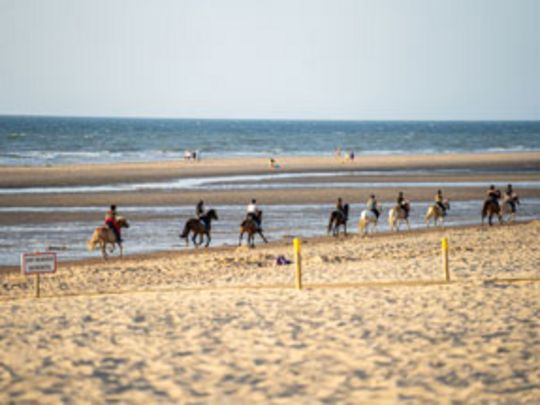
[(212, 214), (122, 222)]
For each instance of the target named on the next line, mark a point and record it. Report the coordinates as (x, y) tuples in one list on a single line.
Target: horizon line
[(267, 119)]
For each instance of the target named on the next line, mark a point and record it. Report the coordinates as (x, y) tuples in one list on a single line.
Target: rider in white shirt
[(252, 207), (252, 211)]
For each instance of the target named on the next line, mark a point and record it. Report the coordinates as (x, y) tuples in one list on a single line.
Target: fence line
[(308, 286)]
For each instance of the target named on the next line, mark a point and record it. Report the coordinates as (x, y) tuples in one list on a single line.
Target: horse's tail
[(185, 232), (362, 224), (91, 244), (430, 212), (392, 217)]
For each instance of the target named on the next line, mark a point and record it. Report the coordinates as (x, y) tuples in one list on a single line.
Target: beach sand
[(500, 168), (375, 323)]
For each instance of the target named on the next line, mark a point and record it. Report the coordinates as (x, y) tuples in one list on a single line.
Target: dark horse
[(199, 227), (251, 227), (338, 218), (491, 208)]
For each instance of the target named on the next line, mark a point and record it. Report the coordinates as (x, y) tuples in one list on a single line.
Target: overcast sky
[(310, 59)]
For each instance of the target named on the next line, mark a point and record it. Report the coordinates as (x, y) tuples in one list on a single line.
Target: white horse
[(368, 217), (395, 216), (506, 210), (436, 213)]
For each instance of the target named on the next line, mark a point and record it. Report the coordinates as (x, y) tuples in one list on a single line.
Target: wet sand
[(16, 176), (375, 324), (487, 168)]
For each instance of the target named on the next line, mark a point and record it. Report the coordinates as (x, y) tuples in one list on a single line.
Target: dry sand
[(374, 325)]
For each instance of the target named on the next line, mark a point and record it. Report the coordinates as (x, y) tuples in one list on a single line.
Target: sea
[(29, 140)]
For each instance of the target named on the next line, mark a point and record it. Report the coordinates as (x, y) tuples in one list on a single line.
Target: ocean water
[(281, 222), (57, 140)]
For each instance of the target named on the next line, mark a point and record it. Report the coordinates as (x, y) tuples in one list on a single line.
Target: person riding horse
[(340, 207), (252, 212), (110, 221), (511, 198), (200, 213), (439, 200), (372, 205), (493, 196), (403, 204)]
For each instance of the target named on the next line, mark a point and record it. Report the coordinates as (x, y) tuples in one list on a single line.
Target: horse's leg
[(262, 236), (194, 240), (121, 249), (208, 239), (240, 238), (251, 240)]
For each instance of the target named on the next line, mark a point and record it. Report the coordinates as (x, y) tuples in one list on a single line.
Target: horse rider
[(110, 221), (493, 196), (439, 200), (403, 204), (253, 212), (199, 209), (372, 205), (340, 207), (511, 197), (200, 212)]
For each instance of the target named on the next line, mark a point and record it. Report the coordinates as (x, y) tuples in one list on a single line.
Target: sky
[(279, 59)]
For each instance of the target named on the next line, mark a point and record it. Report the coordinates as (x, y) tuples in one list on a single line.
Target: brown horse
[(104, 236), (338, 218), (199, 227), (251, 227), (491, 208)]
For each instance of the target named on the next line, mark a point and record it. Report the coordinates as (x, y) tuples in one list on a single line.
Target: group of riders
[(253, 212)]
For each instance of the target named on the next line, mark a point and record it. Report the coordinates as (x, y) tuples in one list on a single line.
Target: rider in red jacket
[(110, 221)]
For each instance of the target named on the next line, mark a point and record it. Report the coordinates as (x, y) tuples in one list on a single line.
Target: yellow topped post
[(444, 253), (298, 262)]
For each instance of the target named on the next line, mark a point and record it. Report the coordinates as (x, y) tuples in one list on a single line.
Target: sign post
[(37, 264)]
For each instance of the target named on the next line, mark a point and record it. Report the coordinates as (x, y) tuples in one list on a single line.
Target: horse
[(491, 208), (338, 218), (396, 215), (435, 212), (199, 227), (368, 217), (251, 227), (506, 210), (103, 236)]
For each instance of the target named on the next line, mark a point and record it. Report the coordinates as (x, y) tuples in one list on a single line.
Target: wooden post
[(444, 252), (37, 285), (298, 262)]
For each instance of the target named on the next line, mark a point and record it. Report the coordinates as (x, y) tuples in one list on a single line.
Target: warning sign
[(38, 263)]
